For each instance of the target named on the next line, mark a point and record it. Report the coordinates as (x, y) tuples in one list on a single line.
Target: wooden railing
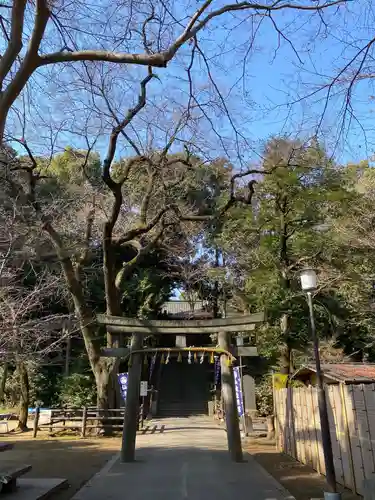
[(82, 419)]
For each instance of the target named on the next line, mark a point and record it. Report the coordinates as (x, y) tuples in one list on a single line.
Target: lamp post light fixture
[(309, 285)]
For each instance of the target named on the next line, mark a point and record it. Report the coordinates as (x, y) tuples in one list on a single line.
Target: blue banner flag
[(217, 370), (123, 381), (238, 390)]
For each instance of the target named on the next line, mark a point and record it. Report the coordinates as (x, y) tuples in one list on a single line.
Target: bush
[(77, 390), (264, 396), (44, 385)]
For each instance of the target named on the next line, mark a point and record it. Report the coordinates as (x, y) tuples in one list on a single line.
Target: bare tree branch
[(15, 41), (29, 63)]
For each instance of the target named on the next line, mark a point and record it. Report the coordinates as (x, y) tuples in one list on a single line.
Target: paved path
[(188, 460)]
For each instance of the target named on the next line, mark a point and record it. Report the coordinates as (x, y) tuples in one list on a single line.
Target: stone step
[(37, 489), (9, 474), (179, 407), (172, 404), (180, 413), (6, 446)]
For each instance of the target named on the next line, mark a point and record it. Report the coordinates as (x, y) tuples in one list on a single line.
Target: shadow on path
[(184, 472)]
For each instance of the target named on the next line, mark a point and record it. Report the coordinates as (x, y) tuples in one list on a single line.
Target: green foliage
[(285, 230), (77, 390), (306, 211), (189, 182), (143, 293), (73, 166), (44, 385), (264, 396)]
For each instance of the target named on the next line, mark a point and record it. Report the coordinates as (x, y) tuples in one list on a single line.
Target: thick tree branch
[(194, 28), (154, 60), (112, 296), (144, 228), (128, 267), (28, 65), (120, 126), (161, 59), (15, 42)]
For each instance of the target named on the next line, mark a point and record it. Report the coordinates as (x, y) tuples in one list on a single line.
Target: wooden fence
[(81, 420), (351, 413)]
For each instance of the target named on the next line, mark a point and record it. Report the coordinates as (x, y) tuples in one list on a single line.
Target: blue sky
[(257, 94)]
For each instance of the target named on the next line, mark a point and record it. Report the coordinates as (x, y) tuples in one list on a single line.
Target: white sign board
[(144, 387), (45, 416)]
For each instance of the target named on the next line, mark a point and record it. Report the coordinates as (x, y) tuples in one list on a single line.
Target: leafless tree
[(335, 93), (39, 35), (28, 335), (187, 268)]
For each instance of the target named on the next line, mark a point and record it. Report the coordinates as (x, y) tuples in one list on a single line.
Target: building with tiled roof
[(334, 373)]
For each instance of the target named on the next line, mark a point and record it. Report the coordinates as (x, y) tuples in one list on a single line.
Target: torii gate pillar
[(131, 412), (229, 400)]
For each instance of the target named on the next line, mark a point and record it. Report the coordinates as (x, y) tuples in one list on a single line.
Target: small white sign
[(180, 340), (144, 388)]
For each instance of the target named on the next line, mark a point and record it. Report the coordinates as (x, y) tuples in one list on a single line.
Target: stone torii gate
[(138, 328)]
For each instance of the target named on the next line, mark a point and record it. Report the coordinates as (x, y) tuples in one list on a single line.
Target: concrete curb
[(103, 471)]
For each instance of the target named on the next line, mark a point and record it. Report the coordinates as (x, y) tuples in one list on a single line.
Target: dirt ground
[(72, 458), (300, 480)]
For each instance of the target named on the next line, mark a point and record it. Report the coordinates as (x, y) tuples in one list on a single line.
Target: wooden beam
[(178, 331), (115, 352), (118, 324)]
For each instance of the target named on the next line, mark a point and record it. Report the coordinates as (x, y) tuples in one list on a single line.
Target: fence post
[(36, 421), (84, 421), (346, 425), (51, 423), (270, 426)]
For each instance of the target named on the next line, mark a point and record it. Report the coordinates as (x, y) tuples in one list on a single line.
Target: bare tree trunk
[(24, 396), (103, 380), (285, 351), (104, 372), (101, 367), (3, 380)]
